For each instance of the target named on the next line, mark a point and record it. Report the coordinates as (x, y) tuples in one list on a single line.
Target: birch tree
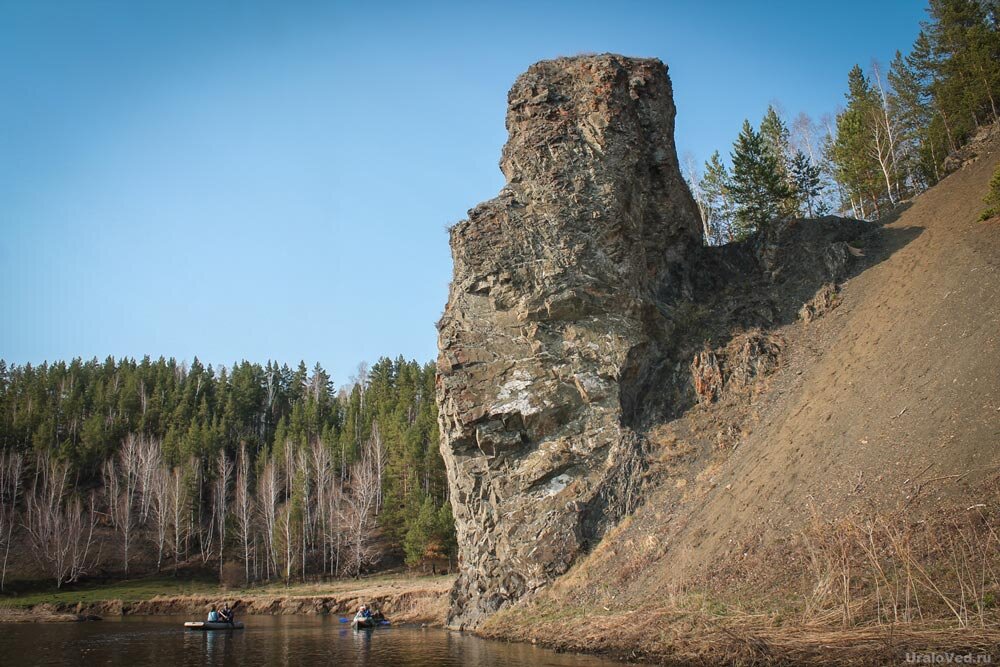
[(268, 493), (335, 525), (286, 520), (305, 493), (378, 456), (179, 499), (121, 484), (360, 502), (244, 507), (887, 121), (148, 461), (60, 529), (324, 479), (718, 206), (81, 522), (689, 167), (860, 149), (11, 469), (223, 473), (205, 534), (804, 135), (160, 487)]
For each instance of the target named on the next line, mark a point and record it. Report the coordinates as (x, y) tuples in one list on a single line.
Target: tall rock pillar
[(555, 325)]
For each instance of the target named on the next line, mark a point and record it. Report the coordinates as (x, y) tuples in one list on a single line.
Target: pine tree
[(968, 61), (855, 150), (759, 192), (718, 203), (805, 182), (915, 115), (777, 140)]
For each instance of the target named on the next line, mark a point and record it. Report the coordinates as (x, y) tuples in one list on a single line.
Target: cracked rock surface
[(558, 322)]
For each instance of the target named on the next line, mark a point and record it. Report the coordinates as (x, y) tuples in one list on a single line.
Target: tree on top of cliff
[(806, 182), (757, 187), (777, 138), (860, 149), (717, 200), (909, 78)]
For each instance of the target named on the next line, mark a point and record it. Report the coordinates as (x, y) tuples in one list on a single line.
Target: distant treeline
[(266, 465), (889, 142)]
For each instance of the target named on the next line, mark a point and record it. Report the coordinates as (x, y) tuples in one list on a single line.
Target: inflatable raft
[(210, 625)]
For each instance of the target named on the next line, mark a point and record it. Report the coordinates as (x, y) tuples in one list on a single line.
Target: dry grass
[(669, 636), (890, 569), (861, 590), (668, 447)]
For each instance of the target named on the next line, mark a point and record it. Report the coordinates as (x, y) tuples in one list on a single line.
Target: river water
[(138, 641)]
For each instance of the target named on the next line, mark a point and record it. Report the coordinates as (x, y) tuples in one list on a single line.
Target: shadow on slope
[(757, 285)]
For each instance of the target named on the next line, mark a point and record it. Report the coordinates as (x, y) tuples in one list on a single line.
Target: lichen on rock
[(557, 322)]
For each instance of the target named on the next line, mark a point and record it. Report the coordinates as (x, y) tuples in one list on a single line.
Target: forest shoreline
[(404, 600)]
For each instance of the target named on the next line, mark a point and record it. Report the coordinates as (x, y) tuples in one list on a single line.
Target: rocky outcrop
[(735, 366), (558, 322), (980, 143)]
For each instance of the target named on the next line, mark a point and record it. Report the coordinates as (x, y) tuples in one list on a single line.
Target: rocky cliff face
[(558, 322)]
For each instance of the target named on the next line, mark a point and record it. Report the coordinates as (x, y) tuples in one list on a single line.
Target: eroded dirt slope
[(889, 402)]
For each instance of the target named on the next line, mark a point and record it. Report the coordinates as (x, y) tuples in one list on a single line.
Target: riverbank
[(14, 615), (678, 636), (405, 600)]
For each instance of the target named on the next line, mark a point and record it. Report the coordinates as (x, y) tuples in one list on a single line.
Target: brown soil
[(886, 402)]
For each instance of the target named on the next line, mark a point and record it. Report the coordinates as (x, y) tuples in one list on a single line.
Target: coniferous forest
[(263, 472)]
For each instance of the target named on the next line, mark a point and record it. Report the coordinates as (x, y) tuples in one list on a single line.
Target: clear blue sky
[(272, 180)]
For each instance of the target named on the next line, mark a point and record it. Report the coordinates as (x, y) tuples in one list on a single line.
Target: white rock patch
[(514, 397), (557, 484)]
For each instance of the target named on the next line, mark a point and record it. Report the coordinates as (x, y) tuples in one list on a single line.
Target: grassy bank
[(131, 590), (403, 598)]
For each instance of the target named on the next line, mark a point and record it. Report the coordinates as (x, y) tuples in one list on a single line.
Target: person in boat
[(213, 616), (364, 614), (226, 615)]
